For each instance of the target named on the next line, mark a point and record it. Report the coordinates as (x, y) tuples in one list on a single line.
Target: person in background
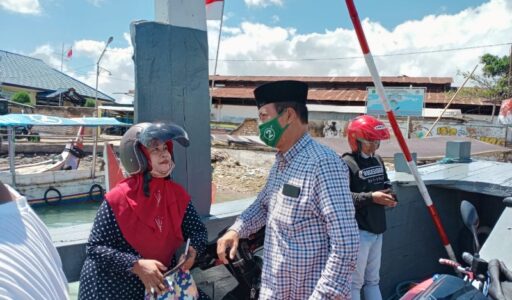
[(30, 266), (311, 236), (143, 221), (369, 184)]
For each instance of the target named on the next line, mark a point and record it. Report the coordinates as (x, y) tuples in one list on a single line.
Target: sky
[(268, 37)]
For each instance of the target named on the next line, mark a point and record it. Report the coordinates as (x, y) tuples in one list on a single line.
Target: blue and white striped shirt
[(311, 238)]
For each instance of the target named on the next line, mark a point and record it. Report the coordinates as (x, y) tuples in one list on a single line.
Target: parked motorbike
[(478, 280), (245, 267)]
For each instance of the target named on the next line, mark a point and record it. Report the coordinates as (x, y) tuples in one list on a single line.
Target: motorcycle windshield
[(163, 132)]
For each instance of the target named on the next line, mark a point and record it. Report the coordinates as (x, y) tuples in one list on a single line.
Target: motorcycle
[(476, 281), (245, 267), (479, 280)]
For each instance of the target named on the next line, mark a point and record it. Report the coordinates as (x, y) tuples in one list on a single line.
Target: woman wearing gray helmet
[(143, 221)]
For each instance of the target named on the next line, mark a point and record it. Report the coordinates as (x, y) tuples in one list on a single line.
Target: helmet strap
[(147, 178), (359, 146)]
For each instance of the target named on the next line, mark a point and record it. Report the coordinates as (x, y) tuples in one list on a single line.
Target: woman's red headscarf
[(151, 225)]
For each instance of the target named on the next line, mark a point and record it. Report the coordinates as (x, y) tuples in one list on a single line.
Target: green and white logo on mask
[(269, 134), (271, 131)]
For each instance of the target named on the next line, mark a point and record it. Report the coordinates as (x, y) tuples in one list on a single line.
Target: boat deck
[(479, 176), (411, 245)]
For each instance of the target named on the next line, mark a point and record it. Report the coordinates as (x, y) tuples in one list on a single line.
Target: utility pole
[(510, 72), (95, 135)]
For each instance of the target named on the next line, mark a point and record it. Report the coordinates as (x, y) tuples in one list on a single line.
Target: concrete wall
[(333, 124), (492, 134), (65, 112), (250, 127)]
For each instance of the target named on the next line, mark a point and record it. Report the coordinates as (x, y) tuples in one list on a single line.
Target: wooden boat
[(55, 182)]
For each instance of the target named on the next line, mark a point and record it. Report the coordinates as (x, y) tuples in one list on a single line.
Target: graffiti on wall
[(334, 128), (418, 129), (451, 131), (489, 134)]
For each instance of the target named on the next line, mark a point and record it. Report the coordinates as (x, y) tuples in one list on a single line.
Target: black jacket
[(367, 175)]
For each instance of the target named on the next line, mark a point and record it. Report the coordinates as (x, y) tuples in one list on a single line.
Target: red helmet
[(367, 128)]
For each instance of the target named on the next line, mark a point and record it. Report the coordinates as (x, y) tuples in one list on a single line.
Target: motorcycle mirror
[(471, 220), (508, 201)]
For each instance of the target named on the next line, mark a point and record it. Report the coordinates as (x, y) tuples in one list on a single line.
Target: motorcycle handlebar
[(449, 262), (468, 258)]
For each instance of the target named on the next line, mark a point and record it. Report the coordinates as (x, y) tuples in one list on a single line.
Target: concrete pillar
[(171, 84), (458, 150)]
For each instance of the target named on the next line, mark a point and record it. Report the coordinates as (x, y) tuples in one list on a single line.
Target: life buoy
[(95, 187), (52, 202)]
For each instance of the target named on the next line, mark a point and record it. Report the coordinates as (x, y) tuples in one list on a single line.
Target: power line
[(347, 57), (361, 57)]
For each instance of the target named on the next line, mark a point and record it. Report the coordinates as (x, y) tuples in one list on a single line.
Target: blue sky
[(64, 21), (263, 29)]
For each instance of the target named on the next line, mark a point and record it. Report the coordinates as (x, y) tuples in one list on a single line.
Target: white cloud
[(470, 27), (96, 3), (31, 7), (116, 76), (253, 46), (263, 3)]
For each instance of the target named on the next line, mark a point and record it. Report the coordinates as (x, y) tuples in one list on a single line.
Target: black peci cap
[(281, 91)]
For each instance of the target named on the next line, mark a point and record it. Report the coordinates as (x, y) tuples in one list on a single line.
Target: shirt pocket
[(291, 214)]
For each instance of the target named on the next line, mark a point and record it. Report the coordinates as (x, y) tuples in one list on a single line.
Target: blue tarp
[(10, 120)]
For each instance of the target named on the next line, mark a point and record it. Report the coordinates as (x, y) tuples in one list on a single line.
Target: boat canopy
[(12, 120)]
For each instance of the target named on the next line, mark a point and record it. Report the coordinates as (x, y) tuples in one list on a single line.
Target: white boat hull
[(58, 187)]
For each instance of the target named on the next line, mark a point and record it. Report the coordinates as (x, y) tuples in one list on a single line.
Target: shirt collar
[(289, 155)]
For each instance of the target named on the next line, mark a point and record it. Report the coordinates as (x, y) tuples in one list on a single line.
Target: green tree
[(494, 83), (21, 97), (90, 103)]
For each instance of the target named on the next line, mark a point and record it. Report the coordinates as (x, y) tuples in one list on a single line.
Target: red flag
[(214, 9), (506, 112), (113, 170), (69, 53)]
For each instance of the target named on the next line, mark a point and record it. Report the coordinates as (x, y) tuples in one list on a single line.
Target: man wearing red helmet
[(369, 185)]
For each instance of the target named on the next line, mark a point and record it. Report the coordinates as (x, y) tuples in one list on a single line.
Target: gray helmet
[(132, 157)]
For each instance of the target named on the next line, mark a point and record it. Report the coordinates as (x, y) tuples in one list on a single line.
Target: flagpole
[(216, 56), (61, 65), (62, 57)]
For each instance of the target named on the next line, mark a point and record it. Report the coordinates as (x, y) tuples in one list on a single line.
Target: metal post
[(506, 135), (398, 134), (95, 134), (217, 59), (408, 128), (62, 57), (510, 71), (12, 154)]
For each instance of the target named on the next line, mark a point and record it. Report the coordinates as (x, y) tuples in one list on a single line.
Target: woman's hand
[(190, 259), (150, 272)]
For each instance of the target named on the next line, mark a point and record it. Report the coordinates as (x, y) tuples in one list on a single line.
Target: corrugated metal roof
[(338, 79), (20, 70), (339, 95)]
